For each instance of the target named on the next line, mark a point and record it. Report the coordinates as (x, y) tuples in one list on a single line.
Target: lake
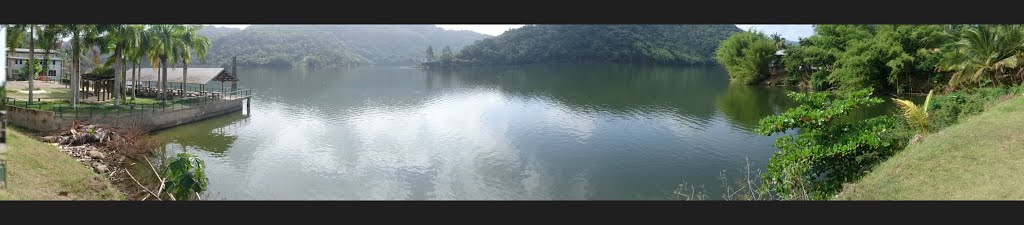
[(536, 132)]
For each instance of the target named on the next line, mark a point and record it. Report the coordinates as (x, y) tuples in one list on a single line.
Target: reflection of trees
[(745, 105), (609, 88), (205, 135)]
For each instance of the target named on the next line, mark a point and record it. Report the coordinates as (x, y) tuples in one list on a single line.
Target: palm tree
[(191, 42), (119, 36), (983, 52), (164, 42), (76, 31), (49, 39), (780, 43), (136, 52), (31, 61)]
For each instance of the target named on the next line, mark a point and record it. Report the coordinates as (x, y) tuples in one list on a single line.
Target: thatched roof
[(174, 75)]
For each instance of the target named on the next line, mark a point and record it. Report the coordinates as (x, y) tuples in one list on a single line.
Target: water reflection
[(597, 131)]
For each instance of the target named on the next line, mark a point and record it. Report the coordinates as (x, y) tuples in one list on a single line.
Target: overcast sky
[(790, 32)]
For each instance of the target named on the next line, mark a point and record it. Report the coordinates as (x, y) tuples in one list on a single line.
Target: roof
[(25, 50), (40, 57), (174, 75)]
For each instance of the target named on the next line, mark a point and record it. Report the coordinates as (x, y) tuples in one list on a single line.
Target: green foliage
[(889, 58), (348, 44), (659, 44), (746, 55), (953, 107), (826, 152), (985, 54), (185, 176), (283, 47), (915, 115)]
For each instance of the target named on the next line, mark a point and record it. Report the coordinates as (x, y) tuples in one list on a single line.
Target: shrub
[(826, 152)]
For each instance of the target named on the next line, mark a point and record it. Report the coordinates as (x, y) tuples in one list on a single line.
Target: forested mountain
[(282, 46), (662, 44), (387, 44), (214, 33), (330, 45)]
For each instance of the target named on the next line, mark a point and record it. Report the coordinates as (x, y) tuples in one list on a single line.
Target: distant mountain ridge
[(330, 45), (660, 44)]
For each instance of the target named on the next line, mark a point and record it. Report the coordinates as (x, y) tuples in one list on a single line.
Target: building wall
[(55, 65)]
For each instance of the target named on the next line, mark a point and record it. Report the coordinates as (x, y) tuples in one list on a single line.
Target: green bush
[(951, 108), (827, 151)]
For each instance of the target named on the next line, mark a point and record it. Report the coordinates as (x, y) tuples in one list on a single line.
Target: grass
[(981, 158), (39, 171), (64, 106)]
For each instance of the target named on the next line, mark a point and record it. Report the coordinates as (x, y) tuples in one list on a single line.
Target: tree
[(185, 176), (826, 152), (746, 55), (983, 53), (191, 43), (136, 52), (31, 61), (447, 57), (15, 37), (430, 54), (165, 45), (780, 43)]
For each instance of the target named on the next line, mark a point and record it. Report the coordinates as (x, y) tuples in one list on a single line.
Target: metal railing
[(103, 111)]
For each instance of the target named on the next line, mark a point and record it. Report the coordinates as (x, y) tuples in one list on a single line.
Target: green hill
[(661, 44)]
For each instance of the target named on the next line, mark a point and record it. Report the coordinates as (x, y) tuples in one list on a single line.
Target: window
[(53, 73)]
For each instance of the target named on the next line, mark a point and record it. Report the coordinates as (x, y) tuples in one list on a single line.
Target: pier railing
[(63, 109)]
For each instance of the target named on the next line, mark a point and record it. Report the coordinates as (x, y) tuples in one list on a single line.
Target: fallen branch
[(143, 187)]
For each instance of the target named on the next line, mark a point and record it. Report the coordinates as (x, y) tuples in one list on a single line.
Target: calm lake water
[(599, 131)]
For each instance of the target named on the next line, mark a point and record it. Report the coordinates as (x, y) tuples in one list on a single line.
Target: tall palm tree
[(191, 42), (49, 39), (31, 61), (984, 51), (164, 41), (119, 36), (76, 31), (136, 52)]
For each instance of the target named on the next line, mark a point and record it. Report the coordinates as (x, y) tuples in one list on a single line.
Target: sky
[(790, 32)]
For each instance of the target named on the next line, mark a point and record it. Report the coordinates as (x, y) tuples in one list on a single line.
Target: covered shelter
[(197, 83), (98, 86)]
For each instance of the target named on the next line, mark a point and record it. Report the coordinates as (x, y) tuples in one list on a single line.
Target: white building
[(19, 60)]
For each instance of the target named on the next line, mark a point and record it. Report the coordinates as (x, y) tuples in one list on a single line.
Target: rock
[(51, 139), (95, 154), (100, 168), (917, 138), (90, 138)]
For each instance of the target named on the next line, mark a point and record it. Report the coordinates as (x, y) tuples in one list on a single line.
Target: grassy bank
[(980, 158), (39, 171)]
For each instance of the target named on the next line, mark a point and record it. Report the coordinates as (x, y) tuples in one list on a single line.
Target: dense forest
[(893, 59), (964, 69), (283, 46), (323, 46), (657, 44)]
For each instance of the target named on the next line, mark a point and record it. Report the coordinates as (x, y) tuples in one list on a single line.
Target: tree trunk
[(135, 81), (118, 62), (31, 61), (77, 51), (163, 83), (184, 77)]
